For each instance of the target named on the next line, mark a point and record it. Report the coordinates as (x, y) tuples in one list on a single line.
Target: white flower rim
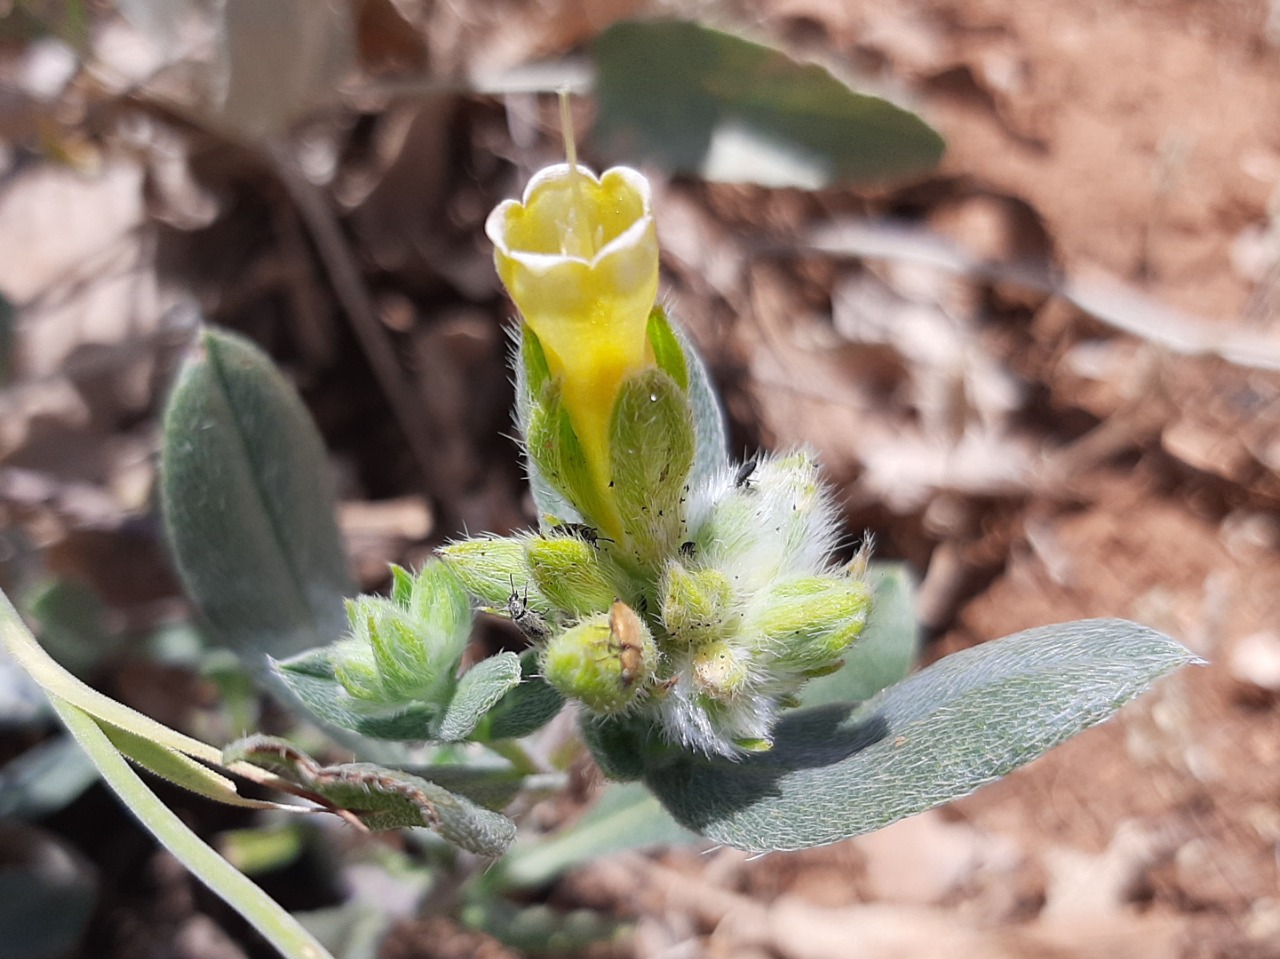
[(495, 225)]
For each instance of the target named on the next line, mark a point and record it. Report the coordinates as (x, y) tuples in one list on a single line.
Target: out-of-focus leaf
[(249, 506), (44, 779), (382, 798), (353, 930), (264, 92), (703, 102), (841, 770), (46, 895), (73, 623), (541, 930), (525, 708), (625, 816), (887, 648), (8, 318), (711, 449), (262, 849), (478, 691)]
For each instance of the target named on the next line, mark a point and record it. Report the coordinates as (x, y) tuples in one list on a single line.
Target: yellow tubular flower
[(579, 256)]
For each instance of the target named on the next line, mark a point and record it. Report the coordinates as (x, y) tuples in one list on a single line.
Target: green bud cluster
[(406, 647), (697, 599)]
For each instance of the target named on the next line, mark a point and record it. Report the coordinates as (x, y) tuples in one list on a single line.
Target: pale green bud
[(568, 572), (722, 670), (491, 568), (809, 622), (440, 611), (776, 520), (651, 450), (799, 508), (605, 661), (697, 604), (407, 647)]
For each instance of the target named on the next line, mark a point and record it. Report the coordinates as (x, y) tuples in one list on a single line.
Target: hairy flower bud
[(605, 662), (569, 573), (490, 567), (697, 604), (810, 621)]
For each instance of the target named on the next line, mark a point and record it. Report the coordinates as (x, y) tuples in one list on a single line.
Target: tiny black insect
[(742, 479), (688, 548), (529, 621), (588, 534)]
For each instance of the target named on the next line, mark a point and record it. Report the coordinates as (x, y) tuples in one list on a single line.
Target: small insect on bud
[(488, 564), (588, 534), (528, 621), (605, 661), (742, 478), (629, 635)]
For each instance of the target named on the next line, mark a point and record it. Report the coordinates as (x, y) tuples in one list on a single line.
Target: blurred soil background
[(1046, 374)]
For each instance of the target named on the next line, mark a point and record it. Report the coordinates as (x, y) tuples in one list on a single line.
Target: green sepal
[(313, 680), (557, 455), (651, 452), (533, 359), (485, 699), (668, 352), (401, 586), (406, 648), (381, 798), (440, 610), (568, 572)]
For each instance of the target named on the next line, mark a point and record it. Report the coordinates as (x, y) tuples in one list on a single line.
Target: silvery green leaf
[(704, 102), (525, 708), (249, 506), (478, 691), (841, 770), (711, 445)]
